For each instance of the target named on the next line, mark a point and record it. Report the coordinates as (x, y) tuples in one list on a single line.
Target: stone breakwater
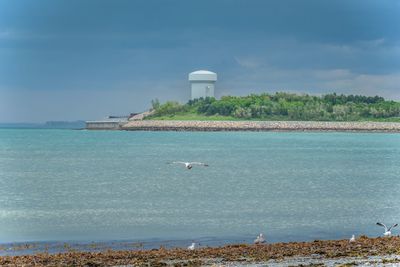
[(164, 125)]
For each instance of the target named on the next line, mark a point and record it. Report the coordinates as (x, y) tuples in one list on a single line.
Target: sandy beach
[(372, 251), (164, 125)]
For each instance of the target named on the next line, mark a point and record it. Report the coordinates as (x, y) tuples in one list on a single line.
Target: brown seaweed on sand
[(364, 246)]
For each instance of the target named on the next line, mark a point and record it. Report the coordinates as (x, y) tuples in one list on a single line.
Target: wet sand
[(373, 251)]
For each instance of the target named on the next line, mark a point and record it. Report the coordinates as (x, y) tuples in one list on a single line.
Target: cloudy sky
[(70, 59)]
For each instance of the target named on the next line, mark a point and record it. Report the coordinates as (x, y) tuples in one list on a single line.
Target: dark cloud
[(331, 21), (135, 46)]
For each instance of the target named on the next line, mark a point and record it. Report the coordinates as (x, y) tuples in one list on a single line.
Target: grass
[(200, 117), (395, 119)]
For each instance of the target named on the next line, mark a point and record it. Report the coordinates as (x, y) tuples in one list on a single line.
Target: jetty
[(171, 125)]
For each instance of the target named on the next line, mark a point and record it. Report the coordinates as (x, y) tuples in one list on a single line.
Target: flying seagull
[(189, 165), (388, 231), (192, 246), (260, 239), (352, 239)]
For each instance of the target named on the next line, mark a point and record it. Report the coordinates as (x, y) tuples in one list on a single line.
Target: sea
[(94, 190)]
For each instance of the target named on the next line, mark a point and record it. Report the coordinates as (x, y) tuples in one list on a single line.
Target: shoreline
[(329, 252), (258, 126)]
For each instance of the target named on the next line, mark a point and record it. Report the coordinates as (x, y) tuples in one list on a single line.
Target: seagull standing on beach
[(352, 239), (260, 239), (189, 165), (388, 231), (192, 246)]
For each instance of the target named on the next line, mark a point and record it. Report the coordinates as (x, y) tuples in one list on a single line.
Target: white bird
[(189, 165), (260, 239), (192, 246), (388, 231), (352, 239)]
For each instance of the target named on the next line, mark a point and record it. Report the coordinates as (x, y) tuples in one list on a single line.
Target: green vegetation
[(194, 117), (281, 106)]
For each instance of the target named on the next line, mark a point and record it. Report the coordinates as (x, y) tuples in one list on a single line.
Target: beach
[(171, 125), (364, 251)]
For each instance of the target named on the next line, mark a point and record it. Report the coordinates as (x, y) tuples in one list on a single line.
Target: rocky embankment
[(164, 125)]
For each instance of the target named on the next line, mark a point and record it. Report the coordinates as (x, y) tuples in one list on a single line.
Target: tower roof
[(202, 75)]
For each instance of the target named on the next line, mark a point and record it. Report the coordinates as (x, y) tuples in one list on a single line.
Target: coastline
[(323, 253), (256, 126)]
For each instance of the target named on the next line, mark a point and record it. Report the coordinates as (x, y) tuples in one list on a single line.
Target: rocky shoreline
[(165, 125), (316, 253)]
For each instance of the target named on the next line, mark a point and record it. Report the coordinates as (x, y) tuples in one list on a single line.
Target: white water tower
[(202, 82)]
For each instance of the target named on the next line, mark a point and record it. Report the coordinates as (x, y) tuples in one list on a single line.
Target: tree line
[(329, 107)]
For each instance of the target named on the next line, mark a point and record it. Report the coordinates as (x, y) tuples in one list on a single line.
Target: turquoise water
[(113, 185)]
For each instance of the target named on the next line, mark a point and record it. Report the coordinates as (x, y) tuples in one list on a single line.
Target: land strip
[(316, 252), (165, 125)]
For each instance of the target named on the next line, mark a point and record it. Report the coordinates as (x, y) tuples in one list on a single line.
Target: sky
[(72, 60)]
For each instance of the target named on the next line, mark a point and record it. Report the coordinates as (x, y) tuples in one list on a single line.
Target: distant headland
[(47, 125), (266, 112), (204, 112)]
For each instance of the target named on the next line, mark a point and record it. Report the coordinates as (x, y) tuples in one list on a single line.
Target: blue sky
[(68, 60)]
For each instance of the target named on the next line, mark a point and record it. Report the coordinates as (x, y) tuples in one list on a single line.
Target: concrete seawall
[(161, 125), (104, 125)]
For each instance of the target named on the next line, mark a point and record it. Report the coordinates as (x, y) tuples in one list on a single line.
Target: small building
[(202, 83)]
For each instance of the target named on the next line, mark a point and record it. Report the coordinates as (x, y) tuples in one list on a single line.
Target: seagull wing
[(199, 163), (393, 226), (179, 162), (381, 224)]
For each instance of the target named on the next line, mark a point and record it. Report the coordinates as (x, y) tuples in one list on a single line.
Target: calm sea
[(63, 185)]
